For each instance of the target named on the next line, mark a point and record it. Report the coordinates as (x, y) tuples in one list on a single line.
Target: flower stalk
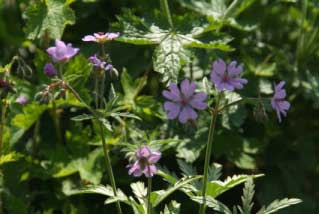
[(3, 105), (149, 190), (105, 149), (167, 12), (56, 122), (208, 152)]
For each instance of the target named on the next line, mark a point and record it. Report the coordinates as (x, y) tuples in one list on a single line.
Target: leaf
[(49, 16), (83, 117), (94, 189), (77, 72), (172, 208), (139, 190), (187, 169), (159, 196), (30, 115), (215, 188), (130, 87), (137, 31), (213, 203), (279, 204), (247, 198), (214, 172), (11, 157), (170, 54), (89, 168), (169, 57), (216, 8)]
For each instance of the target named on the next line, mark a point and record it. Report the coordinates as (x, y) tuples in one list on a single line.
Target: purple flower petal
[(154, 157), (280, 85), (89, 38), (219, 67), (150, 171), (135, 169), (233, 70), (278, 103), (143, 152), (62, 52), (197, 101), (186, 114), (187, 88), (173, 109), (49, 70)]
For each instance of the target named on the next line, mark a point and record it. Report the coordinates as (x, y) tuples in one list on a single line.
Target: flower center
[(143, 162), (225, 77)]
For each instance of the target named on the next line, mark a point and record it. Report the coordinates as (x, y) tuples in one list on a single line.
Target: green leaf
[(89, 168), (137, 31), (247, 198), (159, 196), (170, 54), (214, 8), (169, 57), (30, 115), (94, 189), (11, 157), (213, 203), (215, 188), (49, 16), (279, 204), (139, 190), (130, 87), (83, 117), (187, 169), (172, 208)]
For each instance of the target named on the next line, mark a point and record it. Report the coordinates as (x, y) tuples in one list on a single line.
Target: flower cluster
[(4, 84), (22, 100), (145, 162), (278, 103), (183, 101), (62, 52), (49, 70), (100, 37), (225, 77), (100, 64)]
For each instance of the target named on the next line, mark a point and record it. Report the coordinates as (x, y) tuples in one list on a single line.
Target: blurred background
[(274, 39)]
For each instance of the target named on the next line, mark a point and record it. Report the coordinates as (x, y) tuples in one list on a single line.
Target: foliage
[(274, 40)]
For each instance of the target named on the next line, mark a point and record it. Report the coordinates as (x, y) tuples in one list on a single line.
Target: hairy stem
[(96, 90), (242, 101), (3, 105), (56, 122), (149, 190), (105, 149), (102, 89), (230, 9), (210, 139), (60, 71), (167, 12), (109, 167)]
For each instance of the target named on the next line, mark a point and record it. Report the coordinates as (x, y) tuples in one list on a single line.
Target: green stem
[(96, 90), (35, 137), (105, 149), (230, 9), (60, 71), (109, 167), (149, 190), (102, 89), (243, 100), (208, 153), (3, 104), (167, 12), (56, 122)]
